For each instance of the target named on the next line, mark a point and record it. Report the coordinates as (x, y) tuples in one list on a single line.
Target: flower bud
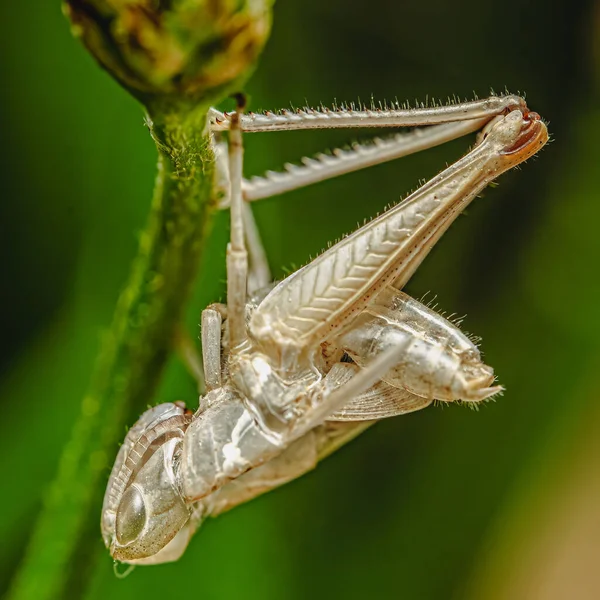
[(173, 51)]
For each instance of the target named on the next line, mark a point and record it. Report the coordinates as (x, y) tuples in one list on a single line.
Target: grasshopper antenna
[(237, 256)]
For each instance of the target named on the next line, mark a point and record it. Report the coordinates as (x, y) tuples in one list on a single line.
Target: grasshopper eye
[(131, 516)]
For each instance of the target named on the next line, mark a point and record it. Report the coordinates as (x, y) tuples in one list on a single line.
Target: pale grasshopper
[(294, 371)]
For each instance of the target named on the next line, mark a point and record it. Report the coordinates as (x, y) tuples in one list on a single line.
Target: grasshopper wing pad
[(380, 402)]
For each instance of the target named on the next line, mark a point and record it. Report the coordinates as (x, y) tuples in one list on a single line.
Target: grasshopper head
[(144, 509)]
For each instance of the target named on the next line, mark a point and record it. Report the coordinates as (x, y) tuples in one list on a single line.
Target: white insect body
[(296, 370)]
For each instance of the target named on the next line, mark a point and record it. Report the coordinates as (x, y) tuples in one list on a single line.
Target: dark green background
[(405, 511)]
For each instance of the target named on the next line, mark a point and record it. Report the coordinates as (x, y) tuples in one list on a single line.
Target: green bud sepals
[(169, 51)]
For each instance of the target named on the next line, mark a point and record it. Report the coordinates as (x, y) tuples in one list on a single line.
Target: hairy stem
[(132, 357)]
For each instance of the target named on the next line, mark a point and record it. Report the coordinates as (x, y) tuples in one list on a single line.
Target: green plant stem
[(131, 360)]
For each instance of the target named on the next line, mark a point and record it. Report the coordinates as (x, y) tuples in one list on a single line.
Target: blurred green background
[(444, 503)]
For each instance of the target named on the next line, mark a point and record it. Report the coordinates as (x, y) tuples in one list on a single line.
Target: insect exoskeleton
[(294, 371), (143, 506)]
